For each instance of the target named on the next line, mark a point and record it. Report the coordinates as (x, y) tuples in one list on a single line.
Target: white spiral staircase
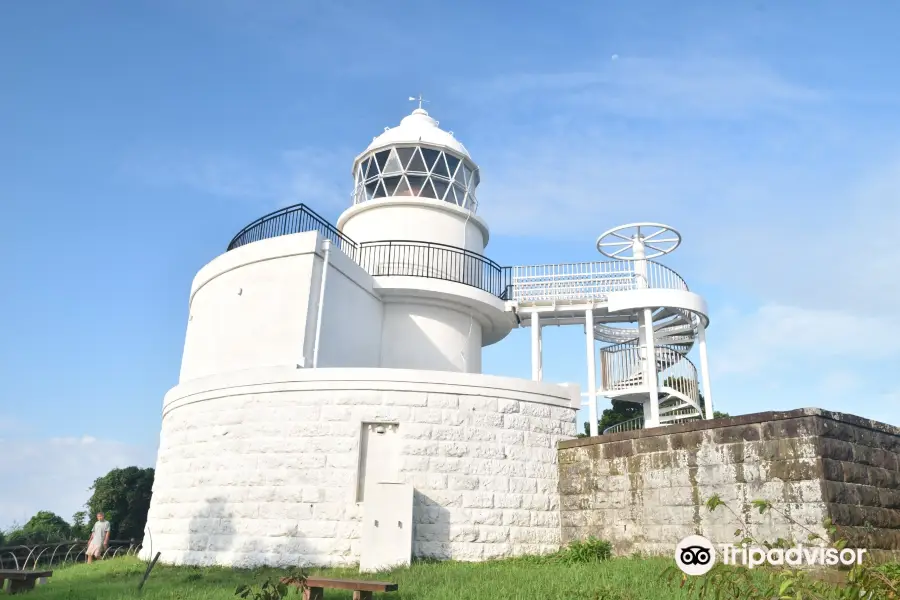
[(584, 292), (623, 368)]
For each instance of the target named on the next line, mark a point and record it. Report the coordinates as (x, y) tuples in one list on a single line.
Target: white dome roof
[(418, 128)]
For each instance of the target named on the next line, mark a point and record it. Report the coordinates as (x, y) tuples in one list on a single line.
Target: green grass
[(514, 579)]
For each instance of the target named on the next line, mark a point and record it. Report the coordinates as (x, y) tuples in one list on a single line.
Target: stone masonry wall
[(266, 474), (645, 490)]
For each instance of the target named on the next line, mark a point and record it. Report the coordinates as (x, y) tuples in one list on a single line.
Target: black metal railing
[(298, 218), (29, 556), (384, 258), (409, 258)]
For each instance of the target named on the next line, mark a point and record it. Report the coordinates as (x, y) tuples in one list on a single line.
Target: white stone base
[(259, 467)]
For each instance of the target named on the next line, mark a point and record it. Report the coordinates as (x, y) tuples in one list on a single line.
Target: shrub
[(585, 551)]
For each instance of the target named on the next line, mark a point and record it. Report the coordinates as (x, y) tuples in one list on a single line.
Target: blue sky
[(136, 138)]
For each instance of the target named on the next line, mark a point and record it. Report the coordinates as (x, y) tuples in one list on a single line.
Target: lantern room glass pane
[(440, 167), (392, 166), (440, 187), (370, 189), (416, 171), (390, 184), (427, 190), (416, 183), (405, 154), (417, 165), (452, 163), (460, 176), (381, 157), (460, 194), (403, 188), (431, 155)]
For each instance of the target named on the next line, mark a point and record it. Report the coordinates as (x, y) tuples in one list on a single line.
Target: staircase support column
[(537, 371), (651, 417), (704, 370), (592, 371)]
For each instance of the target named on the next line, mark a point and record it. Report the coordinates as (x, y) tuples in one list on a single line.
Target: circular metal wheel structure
[(658, 239)]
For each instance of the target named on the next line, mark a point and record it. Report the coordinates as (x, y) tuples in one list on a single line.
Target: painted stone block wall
[(260, 468), (645, 490)]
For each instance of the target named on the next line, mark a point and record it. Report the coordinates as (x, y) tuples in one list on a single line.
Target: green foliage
[(80, 528), (862, 582), (267, 590), (273, 589), (620, 411), (44, 526), (579, 552), (590, 550), (123, 495), (625, 411), (614, 579)]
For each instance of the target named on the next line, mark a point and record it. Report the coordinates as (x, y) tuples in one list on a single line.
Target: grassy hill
[(615, 579)]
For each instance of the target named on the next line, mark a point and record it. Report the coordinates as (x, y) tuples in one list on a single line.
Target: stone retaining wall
[(645, 490)]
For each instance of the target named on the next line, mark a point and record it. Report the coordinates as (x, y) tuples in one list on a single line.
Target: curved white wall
[(416, 219), (255, 306), (422, 336), (259, 467)]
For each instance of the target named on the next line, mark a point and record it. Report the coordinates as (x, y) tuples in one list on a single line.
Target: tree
[(44, 526), (620, 411), (123, 495), (624, 411), (80, 528)]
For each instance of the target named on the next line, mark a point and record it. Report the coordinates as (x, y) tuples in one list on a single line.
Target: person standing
[(99, 539)]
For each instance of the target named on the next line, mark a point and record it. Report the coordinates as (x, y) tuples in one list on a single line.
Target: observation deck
[(533, 285), (610, 295)]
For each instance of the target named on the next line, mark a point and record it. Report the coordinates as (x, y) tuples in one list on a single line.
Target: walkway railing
[(293, 219), (535, 283), (28, 556), (409, 258), (578, 281)]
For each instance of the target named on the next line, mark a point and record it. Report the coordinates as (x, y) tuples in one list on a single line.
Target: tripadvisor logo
[(696, 555)]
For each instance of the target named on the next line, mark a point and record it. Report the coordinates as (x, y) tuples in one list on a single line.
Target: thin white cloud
[(776, 336), (689, 87), (782, 357), (318, 177), (55, 474)]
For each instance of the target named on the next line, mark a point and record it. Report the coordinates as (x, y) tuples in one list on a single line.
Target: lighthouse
[(414, 216), (331, 407)]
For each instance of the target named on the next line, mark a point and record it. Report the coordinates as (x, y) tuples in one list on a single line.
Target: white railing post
[(704, 370), (592, 370), (536, 348)]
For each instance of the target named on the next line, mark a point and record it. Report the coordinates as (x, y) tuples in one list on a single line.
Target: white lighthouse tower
[(331, 382), (414, 218)]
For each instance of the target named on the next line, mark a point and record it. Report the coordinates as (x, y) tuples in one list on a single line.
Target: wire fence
[(30, 556)]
